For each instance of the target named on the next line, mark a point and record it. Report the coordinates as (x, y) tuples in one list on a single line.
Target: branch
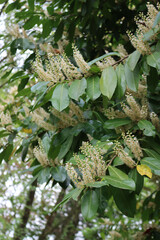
[(20, 230), (3, 7), (121, 60), (51, 218)]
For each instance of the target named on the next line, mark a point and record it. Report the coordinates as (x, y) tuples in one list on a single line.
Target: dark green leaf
[(108, 82), (125, 201), (24, 92), (138, 179), (31, 4), (65, 147), (128, 184), (59, 31), (113, 123), (33, 20), (97, 184), (153, 163), (153, 59), (44, 175), (89, 204), (152, 79), (59, 173)]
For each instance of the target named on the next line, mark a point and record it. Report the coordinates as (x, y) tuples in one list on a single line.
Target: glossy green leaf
[(59, 173), (59, 31), (89, 204), (147, 127), (125, 201), (108, 82), (72, 194), (128, 184), (138, 179), (115, 172), (132, 78), (157, 20), (133, 59), (114, 123), (121, 81), (77, 88), (153, 163), (97, 184), (39, 87), (2, 1), (152, 79), (6, 153), (151, 153), (31, 22), (153, 59), (31, 4), (65, 147), (93, 89), (44, 175), (60, 99)]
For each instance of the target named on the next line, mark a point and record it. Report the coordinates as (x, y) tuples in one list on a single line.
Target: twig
[(111, 160), (3, 7), (121, 60)]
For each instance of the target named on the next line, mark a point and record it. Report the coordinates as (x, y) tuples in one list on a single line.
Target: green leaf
[(133, 59), (108, 82), (72, 194), (115, 172), (93, 90), (89, 204), (31, 4), (47, 27), (147, 127), (117, 162), (60, 99), (121, 81), (152, 79), (11, 6), (39, 87), (102, 57), (157, 20), (151, 153), (128, 184), (44, 175), (24, 92), (6, 153), (153, 163), (132, 78), (125, 201), (65, 147), (114, 123), (153, 59), (59, 173), (97, 184), (138, 179), (77, 89), (59, 31), (2, 1), (33, 20)]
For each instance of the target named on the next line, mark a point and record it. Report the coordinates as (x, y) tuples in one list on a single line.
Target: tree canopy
[(80, 109)]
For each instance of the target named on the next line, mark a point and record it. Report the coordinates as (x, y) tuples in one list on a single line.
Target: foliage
[(92, 125)]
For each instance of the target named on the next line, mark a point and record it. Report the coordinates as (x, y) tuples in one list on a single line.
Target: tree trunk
[(20, 230)]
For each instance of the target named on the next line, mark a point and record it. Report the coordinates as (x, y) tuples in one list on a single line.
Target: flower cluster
[(123, 155), (91, 165), (6, 120), (134, 110), (59, 68), (132, 142), (71, 118), (144, 24), (155, 120), (41, 155), (106, 62)]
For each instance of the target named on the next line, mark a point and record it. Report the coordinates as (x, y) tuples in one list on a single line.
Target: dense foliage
[(91, 125)]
